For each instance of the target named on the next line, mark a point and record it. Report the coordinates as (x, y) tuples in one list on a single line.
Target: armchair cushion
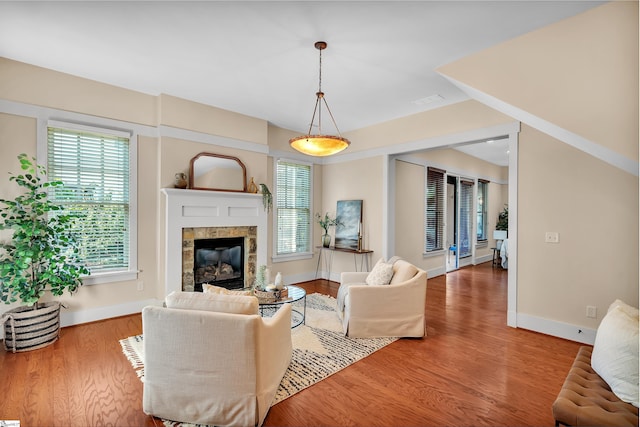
[(403, 271), (221, 303), (380, 274)]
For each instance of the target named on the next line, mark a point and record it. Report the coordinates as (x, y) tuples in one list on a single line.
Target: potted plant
[(326, 222), (267, 198), (41, 256), (503, 219)]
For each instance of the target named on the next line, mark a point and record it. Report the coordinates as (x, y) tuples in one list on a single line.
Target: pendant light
[(319, 144)]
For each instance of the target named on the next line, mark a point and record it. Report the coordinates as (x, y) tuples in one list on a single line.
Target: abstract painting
[(349, 215)]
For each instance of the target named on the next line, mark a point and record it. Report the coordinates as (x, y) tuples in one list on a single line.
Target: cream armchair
[(396, 309), (211, 359)]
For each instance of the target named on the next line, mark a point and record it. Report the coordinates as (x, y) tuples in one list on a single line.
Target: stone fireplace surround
[(189, 237), (207, 212)]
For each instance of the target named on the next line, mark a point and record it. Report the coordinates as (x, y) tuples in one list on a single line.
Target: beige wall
[(40, 86), (184, 114), (580, 74), (409, 216), (455, 118), (409, 199), (594, 208), (159, 158), (356, 180), (18, 135)]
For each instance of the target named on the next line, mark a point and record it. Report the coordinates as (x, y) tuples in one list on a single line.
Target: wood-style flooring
[(471, 370)]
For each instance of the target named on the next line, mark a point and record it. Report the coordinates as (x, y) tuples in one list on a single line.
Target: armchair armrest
[(273, 355)]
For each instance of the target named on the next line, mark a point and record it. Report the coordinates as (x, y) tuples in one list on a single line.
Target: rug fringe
[(129, 349)]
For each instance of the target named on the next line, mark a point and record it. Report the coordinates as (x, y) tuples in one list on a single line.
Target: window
[(466, 217), (94, 165), (481, 210), (434, 210), (293, 208)]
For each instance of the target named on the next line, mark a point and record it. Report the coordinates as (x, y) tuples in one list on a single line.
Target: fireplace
[(219, 262), (220, 256), (194, 215)]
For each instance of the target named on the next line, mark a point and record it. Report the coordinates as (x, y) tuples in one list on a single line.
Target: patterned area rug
[(320, 349)]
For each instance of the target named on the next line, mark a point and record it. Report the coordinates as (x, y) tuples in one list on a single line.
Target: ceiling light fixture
[(319, 144)]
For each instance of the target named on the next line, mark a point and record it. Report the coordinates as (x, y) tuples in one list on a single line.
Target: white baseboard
[(101, 313), (482, 259), (435, 272), (557, 329)]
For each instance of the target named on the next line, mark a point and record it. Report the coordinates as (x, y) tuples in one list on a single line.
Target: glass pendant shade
[(320, 145)]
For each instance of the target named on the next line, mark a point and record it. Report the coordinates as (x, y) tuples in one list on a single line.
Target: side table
[(328, 252)]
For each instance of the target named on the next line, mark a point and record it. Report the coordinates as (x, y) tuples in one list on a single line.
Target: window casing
[(99, 185), (434, 210), (481, 210), (293, 195)]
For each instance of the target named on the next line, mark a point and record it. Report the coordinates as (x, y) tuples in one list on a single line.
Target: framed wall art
[(349, 216)]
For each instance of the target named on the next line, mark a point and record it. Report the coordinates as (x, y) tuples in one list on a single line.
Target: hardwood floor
[(471, 369)]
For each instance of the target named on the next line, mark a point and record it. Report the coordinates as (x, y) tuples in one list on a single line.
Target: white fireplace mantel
[(203, 208)]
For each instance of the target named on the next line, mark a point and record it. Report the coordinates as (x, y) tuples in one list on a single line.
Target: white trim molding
[(583, 144), (557, 329)]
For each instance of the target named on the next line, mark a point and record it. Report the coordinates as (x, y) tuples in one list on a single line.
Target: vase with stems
[(325, 222)]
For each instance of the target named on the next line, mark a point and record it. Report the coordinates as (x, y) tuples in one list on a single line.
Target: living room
[(574, 168)]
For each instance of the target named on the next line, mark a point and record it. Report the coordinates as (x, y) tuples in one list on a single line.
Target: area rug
[(320, 348)]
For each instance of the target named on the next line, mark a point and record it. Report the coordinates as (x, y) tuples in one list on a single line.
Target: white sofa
[(396, 309), (211, 359)]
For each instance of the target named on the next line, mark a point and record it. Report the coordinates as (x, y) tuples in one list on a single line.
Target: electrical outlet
[(592, 312), (140, 285), (551, 237)]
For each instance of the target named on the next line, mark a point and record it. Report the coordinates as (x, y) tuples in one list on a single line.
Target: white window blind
[(466, 217), (293, 207), (94, 168), (434, 210), (481, 209)]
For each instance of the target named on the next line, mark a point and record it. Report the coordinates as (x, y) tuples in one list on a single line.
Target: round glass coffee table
[(295, 295)]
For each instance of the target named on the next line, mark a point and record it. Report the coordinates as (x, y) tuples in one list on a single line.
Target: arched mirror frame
[(220, 156)]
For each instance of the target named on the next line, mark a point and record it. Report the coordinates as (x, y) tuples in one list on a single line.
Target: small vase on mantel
[(180, 180), (252, 187), (326, 240)]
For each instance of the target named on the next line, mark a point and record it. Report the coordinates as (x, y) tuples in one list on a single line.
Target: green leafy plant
[(326, 221), (267, 198), (42, 254), (503, 219)]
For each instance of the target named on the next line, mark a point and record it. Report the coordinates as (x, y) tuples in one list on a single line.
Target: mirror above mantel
[(208, 171)]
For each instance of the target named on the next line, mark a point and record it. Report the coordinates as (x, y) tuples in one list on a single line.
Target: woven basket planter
[(27, 329)]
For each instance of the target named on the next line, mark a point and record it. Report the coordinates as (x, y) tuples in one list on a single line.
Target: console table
[(327, 253)]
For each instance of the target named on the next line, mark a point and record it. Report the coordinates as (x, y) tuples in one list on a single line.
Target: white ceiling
[(258, 58)]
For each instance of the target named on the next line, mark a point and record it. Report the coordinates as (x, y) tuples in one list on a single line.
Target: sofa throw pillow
[(615, 352), (212, 289), (221, 303), (380, 274)]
